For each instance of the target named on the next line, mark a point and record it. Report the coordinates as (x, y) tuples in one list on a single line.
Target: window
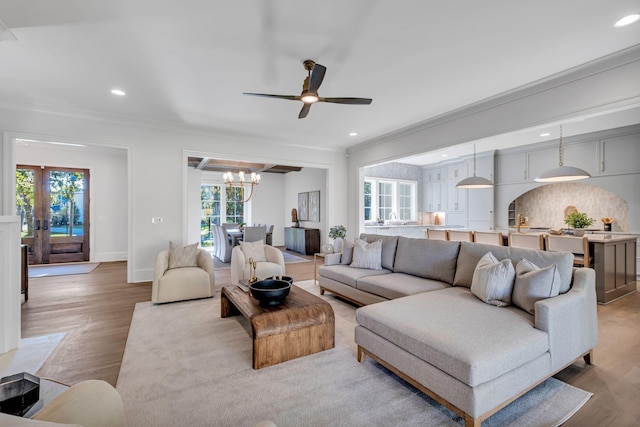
[(218, 207), (388, 199), (367, 200)]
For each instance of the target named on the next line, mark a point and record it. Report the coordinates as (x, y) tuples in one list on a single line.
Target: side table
[(315, 266)]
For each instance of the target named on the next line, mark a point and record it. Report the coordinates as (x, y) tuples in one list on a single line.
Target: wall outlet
[(156, 220)]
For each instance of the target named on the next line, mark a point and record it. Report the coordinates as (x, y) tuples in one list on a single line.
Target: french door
[(54, 206)]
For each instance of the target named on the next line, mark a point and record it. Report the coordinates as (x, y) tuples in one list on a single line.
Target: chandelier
[(229, 180)]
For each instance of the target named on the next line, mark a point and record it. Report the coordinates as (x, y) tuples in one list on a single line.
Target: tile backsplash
[(544, 206)]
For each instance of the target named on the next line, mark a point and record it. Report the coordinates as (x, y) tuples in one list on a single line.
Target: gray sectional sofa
[(420, 319)]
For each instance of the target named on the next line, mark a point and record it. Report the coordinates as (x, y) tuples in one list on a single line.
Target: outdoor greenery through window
[(388, 199), (218, 207)]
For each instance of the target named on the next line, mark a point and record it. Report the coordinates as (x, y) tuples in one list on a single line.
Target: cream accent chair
[(526, 240), (273, 266), (436, 234), (183, 283), (460, 236), (579, 246), (488, 237), (91, 403)]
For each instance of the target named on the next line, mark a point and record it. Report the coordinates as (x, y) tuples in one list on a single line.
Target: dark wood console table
[(305, 241)]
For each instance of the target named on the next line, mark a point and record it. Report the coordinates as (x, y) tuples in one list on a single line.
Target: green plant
[(578, 220), (338, 231)]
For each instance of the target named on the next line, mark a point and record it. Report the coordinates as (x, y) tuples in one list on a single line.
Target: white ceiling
[(188, 62)]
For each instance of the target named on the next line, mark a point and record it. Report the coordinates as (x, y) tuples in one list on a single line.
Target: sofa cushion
[(182, 256), (346, 274), (493, 280), (396, 285), (454, 331), (533, 284), (367, 255), (431, 259), (470, 254), (389, 244), (347, 253)]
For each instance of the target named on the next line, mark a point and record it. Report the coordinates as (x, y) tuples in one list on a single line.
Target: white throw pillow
[(367, 255), (347, 253), (493, 280), (253, 250), (183, 256), (533, 284)]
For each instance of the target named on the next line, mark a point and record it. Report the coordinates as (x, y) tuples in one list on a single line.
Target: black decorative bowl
[(285, 278), (270, 292)]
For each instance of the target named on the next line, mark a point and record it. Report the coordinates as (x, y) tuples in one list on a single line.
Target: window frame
[(395, 199)]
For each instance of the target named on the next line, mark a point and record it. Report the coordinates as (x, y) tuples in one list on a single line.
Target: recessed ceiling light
[(118, 92), (545, 134), (629, 19), (353, 133), (443, 155)]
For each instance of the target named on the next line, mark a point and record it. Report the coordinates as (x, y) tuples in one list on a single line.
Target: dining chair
[(579, 246), (221, 245), (460, 236), (253, 234), (526, 240), (488, 237), (436, 234)]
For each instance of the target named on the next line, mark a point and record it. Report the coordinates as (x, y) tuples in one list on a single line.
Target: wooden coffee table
[(301, 325)]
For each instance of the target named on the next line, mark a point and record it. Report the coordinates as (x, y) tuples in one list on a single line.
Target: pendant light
[(474, 181), (562, 173)]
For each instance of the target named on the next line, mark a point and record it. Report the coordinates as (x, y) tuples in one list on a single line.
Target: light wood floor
[(95, 311)]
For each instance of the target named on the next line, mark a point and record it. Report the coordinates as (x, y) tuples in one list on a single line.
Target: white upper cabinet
[(457, 171), (511, 168), (620, 155)]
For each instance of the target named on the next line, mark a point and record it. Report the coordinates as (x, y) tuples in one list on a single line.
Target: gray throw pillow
[(367, 255), (493, 280), (183, 256), (347, 253), (533, 284)]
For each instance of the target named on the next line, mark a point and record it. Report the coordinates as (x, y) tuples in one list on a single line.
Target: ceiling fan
[(309, 95)]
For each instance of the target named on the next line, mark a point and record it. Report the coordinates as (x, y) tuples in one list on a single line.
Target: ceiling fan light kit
[(562, 173), (309, 95)]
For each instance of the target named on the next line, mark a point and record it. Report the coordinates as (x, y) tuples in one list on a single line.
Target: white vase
[(338, 243)]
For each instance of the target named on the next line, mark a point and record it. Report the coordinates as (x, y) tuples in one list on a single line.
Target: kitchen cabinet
[(614, 260), (456, 197), (620, 155), (511, 168), (457, 171)]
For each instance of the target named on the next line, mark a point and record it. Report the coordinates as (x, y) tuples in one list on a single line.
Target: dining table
[(236, 236)]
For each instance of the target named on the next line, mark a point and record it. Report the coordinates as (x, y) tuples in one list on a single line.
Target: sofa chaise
[(422, 318)]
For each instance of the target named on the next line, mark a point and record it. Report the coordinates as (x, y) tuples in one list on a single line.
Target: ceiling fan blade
[(290, 97), (354, 101), (305, 110), (317, 75)]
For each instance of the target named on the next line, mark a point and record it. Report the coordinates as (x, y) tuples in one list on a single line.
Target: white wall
[(301, 182), (107, 186), (157, 168), (268, 204)]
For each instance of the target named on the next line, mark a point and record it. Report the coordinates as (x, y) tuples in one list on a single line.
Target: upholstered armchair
[(182, 275), (221, 244), (269, 261), (91, 403)]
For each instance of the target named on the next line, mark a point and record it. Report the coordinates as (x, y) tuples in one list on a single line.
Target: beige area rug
[(184, 365), (47, 270)]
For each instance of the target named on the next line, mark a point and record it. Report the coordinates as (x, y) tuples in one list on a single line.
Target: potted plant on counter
[(578, 221), (337, 233)]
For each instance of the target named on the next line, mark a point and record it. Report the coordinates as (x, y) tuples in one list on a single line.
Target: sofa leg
[(472, 422), (361, 355), (588, 358)]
